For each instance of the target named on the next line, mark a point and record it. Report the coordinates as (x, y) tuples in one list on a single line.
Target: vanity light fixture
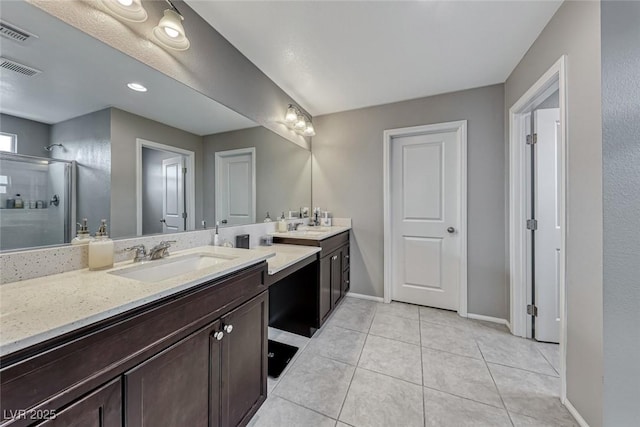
[(298, 121), (170, 32), (129, 10), (137, 87)]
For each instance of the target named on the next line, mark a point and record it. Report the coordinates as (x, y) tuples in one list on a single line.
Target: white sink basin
[(156, 271)]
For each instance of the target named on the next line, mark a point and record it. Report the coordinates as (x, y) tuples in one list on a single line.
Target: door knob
[(163, 220), (451, 230), (228, 328), (218, 335)]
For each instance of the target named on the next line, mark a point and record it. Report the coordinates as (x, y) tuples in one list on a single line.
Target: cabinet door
[(172, 388), (244, 361), (325, 287), (336, 277), (101, 408), (346, 281)]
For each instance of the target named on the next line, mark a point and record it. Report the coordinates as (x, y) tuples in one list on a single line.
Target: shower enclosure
[(37, 201)]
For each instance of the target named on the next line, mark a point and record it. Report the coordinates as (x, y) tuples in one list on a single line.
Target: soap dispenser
[(101, 249), (216, 237), (82, 237), (282, 224)]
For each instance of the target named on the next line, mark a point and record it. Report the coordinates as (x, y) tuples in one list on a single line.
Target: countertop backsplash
[(29, 264)]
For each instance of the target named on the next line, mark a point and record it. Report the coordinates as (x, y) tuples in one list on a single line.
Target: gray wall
[(347, 180), (621, 176), (211, 65), (575, 31), (32, 136), (152, 189), (283, 171), (125, 129), (86, 139)]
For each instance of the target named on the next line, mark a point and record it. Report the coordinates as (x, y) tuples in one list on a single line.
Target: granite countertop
[(312, 233), (286, 255), (35, 310)]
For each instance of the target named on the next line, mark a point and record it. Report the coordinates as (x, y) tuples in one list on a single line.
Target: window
[(8, 142)]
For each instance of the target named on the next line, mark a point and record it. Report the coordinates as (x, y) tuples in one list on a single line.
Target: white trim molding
[(574, 412), (363, 296), (556, 75), (489, 319), (191, 182), (461, 128)]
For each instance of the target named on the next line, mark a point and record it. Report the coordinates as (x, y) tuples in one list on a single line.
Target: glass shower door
[(35, 201)]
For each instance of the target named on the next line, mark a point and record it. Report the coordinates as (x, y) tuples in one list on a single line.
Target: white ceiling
[(81, 75), (339, 55)]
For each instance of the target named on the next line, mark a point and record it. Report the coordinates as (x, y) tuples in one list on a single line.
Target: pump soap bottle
[(101, 249), (282, 224), (216, 237), (82, 237)]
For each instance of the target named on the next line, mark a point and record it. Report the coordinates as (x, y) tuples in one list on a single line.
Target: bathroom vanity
[(194, 355), (317, 290)]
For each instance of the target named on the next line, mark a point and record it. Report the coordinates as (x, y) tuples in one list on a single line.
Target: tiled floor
[(400, 365)]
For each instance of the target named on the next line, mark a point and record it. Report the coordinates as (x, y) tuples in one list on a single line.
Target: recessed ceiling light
[(137, 87)]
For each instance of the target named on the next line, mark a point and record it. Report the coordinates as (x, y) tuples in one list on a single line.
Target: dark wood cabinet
[(325, 288), (172, 388), (195, 358), (333, 280), (244, 361), (336, 277), (101, 408), (214, 377)]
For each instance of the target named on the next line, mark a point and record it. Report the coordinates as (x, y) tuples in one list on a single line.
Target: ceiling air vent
[(14, 33), (16, 67)]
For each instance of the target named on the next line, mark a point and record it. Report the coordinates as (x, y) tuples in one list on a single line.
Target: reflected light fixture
[(298, 121), (128, 10), (137, 87), (169, 31)]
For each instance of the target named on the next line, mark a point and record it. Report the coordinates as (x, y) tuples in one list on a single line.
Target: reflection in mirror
[(145, 161)]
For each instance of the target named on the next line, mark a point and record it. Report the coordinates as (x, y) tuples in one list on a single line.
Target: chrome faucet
[(160, 250), (141, 252), (293, 226)]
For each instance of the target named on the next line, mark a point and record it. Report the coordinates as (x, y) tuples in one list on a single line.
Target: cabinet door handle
[(218, 335), (346, 256), (335, 257), (228, 328), (347, 282)]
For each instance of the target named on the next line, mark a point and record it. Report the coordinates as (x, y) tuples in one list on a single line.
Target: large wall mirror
[(77, 142)]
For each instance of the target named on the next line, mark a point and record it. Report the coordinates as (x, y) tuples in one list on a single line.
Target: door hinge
[(184, 215), (532, 139), (532, 224), (532, 310), (184, 171)]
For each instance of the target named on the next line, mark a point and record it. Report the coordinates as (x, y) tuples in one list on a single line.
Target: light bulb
[(171, 32), (309, 131), (126, 2), (301, 123), (291, 115)]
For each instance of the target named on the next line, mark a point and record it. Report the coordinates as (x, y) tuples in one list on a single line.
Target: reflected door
[(236, 186), (173, 201), (425, 187)]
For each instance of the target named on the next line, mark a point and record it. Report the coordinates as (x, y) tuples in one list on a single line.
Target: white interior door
[(425, 219), (547, 236), (236, 187), (173, 206)]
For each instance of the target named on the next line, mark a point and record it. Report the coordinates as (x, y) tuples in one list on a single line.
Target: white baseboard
[(362, 296), (489, 319), (573, 411)]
